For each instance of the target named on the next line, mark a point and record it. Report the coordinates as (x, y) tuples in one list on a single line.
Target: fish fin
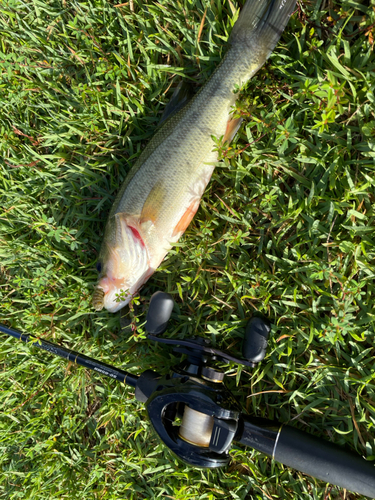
[(152, 205), (264, 21), (180, 97), (185, 220), (232, 127)]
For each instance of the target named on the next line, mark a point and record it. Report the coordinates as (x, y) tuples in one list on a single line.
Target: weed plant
[(285, 228)]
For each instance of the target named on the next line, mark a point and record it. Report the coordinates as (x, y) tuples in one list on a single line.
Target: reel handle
[(307, 453), (159, 312), (254, 347), (256, 339)]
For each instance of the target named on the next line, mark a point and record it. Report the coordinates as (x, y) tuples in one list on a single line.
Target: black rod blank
[(73, 356)]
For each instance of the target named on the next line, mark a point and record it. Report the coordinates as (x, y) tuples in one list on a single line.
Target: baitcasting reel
[(195, 391), (198, 418)]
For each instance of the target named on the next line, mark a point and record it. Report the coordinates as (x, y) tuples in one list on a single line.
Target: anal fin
[(232, 127)]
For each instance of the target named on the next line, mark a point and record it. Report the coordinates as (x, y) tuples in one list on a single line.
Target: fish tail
[(262, 22)]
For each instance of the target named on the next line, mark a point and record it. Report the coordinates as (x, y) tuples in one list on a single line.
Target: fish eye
[(99, 267)]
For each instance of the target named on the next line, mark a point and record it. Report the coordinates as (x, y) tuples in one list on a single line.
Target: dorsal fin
[(180, 97)]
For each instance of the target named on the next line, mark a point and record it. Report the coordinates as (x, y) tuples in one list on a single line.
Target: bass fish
[(162, 191)]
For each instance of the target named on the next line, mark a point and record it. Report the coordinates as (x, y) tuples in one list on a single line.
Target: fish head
[(123, 265)]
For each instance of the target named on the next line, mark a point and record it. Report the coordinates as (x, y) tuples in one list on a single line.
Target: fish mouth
[(98, 299)]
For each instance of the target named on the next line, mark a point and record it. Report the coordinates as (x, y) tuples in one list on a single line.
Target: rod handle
[(324, 460)]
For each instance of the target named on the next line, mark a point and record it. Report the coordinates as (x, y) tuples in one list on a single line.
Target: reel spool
[(196, 427)]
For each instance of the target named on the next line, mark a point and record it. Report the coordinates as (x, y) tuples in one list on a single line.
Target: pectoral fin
[(154, 203)]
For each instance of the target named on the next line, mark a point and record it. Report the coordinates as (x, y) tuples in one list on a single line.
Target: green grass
[(286, 227)]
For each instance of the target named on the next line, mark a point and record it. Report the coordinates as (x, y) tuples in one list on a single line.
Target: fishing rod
[(197, 417)]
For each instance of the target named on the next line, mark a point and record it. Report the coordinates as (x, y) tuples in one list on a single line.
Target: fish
[(162, 191)]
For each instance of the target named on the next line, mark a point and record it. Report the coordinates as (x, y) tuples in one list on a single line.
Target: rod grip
[(325, 461)]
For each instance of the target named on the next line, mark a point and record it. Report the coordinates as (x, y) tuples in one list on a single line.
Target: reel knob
[(159, 312), (256, 335)]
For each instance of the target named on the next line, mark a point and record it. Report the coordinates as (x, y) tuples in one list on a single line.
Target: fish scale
[(162, 191)]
